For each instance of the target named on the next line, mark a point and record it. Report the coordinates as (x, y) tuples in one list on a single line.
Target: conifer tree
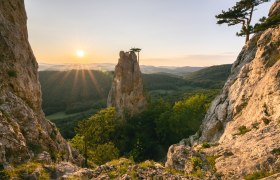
[(240, 13)]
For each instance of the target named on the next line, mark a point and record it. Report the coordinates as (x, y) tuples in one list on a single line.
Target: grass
[(174, 172), (211, 162), (63, 115), (27, 168), (196, 162), (257, 175), (147, 164), (242, 130), (122, 167)]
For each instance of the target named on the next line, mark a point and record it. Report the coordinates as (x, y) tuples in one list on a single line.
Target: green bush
[(206, 145), (196, 163), (242, 130), (104, 153), (266, 121), (146, 164), (12, 73), (26, 169), (257, 175), (276, 151)]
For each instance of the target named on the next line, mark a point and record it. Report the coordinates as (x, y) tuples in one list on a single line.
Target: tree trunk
[(249, 23), (247, 37)]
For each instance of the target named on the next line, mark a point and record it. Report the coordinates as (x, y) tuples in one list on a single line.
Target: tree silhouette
[(136, 50), (241, 13)]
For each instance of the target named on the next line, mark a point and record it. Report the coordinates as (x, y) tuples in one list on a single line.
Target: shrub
[(276, 151), (255, 125), (34, 147), (242, 130), (266, 121), (21, 171), (104, 153), (257, 175), (12, 73), (206, 145), (147, 164), (211, 162), (196, 162)]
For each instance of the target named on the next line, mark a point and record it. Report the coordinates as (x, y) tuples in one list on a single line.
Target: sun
[(80, 53)]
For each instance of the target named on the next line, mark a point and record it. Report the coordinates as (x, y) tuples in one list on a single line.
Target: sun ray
[(95, 83)]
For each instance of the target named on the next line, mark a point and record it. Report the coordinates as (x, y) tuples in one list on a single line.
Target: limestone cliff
[(127, 88), (24, 131), (244, 121)]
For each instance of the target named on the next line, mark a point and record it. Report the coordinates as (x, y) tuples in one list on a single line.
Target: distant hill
[(111, 67), (211, 77)]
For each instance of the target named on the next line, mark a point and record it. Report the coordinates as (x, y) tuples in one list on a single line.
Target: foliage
[(276, 151), (266, 23), (240, 13), (257, 175), (242, 130), (265, 120), (26, 169), (12, 73), (104, 153), (211, 160), (206, 145), (162, 81), (196, 163), (182, 120), (122, 167), (146, 164), (67, 123), (95, 134), (149, 134), (144, 136)]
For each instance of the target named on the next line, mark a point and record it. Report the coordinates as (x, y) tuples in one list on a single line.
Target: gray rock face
[(127, 88), (245, 119), (24, 131)]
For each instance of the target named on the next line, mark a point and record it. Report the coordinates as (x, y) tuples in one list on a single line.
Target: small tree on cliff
[(94, 137), (241, 13)]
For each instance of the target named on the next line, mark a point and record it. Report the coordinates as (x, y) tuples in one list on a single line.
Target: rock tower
[(127, 93)]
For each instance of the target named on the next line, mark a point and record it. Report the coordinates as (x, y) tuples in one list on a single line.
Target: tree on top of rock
[(241, 13)]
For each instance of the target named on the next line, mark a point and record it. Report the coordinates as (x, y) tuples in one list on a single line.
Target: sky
[(170, 32)]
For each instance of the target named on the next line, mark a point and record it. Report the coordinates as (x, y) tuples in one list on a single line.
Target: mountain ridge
[(111, 66)]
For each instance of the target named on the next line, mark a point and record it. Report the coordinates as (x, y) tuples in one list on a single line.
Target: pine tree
[(241, 13)]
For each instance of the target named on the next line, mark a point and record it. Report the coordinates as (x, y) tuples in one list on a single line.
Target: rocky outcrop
[(24, 131), (125, 169), (244, 121), (127, 88)]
